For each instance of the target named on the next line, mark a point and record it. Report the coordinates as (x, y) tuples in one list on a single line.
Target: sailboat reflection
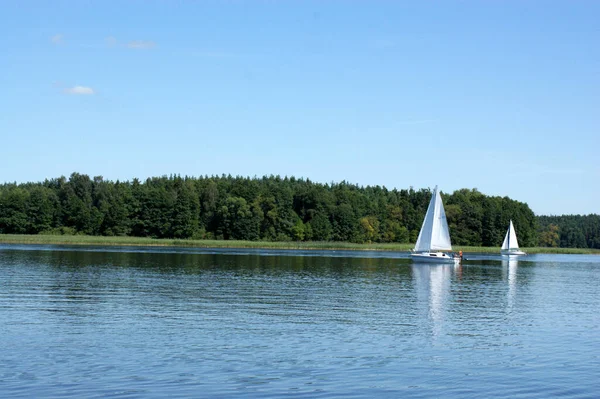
[(432, 285), (511, 265)]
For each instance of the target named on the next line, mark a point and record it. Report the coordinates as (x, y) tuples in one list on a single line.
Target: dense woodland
[(272, 208), (569, 231)]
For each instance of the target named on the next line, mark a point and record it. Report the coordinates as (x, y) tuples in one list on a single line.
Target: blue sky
[(502, 96)]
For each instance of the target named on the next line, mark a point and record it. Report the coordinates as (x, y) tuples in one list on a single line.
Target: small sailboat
[(510, 246), (433, 243)]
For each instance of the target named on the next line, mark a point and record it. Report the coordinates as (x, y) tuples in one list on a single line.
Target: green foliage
[(40, 209), (272, 208), (59, 231), (13, 210), (478, 220), (570, 231), (186, 210), (321, 227), (238, 220), (368, 229), (344, 223), (549, 236)]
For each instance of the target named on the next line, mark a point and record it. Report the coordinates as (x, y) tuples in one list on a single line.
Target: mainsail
[(434, 234), (510, 240)]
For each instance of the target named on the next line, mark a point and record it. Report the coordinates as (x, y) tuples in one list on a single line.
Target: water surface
[(146, 322)]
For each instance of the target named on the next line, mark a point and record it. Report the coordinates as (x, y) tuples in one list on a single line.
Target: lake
[(106, 322)]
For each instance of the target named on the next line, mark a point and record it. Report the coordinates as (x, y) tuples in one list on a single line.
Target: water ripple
[(92, 323)]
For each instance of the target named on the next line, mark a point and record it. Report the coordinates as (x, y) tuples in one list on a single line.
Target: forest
[(569, 231), (273, 208)]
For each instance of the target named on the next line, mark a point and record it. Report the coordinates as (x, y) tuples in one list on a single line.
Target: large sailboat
[(510, 246), (433, 243)]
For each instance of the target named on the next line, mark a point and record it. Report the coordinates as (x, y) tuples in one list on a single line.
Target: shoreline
[(314, 245)]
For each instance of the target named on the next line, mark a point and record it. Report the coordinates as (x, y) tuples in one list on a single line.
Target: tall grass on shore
[(318, 245), (145, 241)]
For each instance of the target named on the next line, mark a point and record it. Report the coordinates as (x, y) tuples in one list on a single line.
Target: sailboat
[(434, 237), (510, 246)]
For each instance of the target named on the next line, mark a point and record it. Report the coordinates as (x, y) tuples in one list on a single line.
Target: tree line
[(569, 231), (268, 208)]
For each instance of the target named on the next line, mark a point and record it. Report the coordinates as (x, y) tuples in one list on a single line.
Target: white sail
[(434, 234), (510, 240)]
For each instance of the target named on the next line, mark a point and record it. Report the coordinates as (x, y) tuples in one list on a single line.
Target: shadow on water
[(235, 261), (95, 261)]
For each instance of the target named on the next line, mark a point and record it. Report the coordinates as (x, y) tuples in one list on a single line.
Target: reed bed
[(316, 245)]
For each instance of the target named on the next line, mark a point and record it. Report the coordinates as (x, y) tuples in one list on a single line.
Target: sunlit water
[(140, 322)]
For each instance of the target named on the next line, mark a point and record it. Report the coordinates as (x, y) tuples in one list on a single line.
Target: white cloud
[(141, 44), (79, 90), (57, 39)]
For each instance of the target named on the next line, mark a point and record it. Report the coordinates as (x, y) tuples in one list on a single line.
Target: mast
[(509, 229)]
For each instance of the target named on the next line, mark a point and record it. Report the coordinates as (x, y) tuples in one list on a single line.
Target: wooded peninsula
[(273, 209)]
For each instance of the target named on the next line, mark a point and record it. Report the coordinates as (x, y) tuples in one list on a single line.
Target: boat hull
[(434, 257), (512, 253)]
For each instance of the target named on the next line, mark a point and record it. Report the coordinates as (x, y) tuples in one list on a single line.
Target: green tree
[(41, 209), (13, 211), (238, 221), (369, 229), (186, 210), (321, 227), (344, 223), (550, 236)]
